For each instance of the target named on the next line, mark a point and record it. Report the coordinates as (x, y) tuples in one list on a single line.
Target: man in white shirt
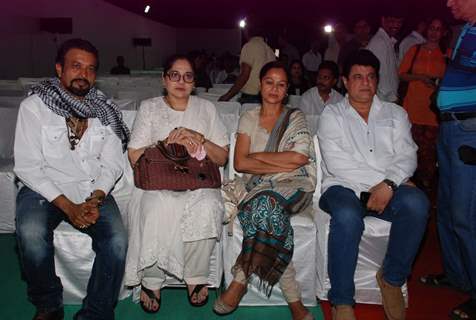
[(382, 45), (254, 55), (315, 99), (368, 153), (414, 38), (69, 145), (312, 59)]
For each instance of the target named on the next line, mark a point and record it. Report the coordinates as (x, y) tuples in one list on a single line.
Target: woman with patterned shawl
[(274, 150)]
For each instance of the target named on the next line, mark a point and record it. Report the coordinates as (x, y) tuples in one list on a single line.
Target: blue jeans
[(36, 219), (408, 213), (456, 219)]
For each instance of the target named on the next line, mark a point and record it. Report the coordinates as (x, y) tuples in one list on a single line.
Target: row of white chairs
[(74, 256)]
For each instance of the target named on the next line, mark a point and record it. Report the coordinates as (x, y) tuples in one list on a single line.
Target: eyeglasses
[(175, 76)]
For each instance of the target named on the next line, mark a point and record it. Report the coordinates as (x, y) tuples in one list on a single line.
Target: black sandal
[(151, 295), (468, 308), (439, 281), (196, 291)]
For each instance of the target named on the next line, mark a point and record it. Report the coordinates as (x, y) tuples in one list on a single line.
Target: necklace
[(167, 102), (76, 128)]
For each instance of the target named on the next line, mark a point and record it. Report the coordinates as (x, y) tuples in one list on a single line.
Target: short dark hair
[(173, 58), (362, 57), (296, 61), (394, 10), (331, 66), (76, 43), (273, 65), (445, 39)]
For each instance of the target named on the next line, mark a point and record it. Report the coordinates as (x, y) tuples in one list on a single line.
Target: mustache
[(81, 79)]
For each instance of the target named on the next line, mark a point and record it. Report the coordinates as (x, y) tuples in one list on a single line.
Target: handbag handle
[(179, 160)]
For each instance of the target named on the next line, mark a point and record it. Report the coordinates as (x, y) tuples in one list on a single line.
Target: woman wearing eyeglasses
[(174, 232), (274, 149)]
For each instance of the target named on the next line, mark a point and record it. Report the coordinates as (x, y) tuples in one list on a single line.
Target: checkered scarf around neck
[(94, 105)]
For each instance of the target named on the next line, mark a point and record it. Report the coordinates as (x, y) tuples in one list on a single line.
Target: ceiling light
[(146, 9), (328, 28)]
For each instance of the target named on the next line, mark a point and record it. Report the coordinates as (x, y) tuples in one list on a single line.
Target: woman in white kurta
[(174, 232)]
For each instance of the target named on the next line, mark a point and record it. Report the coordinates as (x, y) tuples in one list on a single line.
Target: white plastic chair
[(229, 114), (8, 119), (208, 96), (126, 104), (312, 120), (226, 86), (218, 90), (8, 194), (200, 90), (137, 94), (294, 100)]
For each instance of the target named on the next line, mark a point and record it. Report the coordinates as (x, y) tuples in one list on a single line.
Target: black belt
[(450, 116)]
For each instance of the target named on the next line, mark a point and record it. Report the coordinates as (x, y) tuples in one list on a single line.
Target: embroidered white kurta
[(161, 221)]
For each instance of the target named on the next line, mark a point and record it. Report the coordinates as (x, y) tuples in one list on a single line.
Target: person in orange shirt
[(423, 66)]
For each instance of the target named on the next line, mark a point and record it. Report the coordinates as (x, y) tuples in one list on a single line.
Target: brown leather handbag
[(170, 167)]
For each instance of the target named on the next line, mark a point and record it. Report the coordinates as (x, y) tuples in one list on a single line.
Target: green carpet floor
[(174, 301)]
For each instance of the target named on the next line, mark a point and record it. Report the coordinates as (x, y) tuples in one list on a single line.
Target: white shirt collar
[(385, 35), (376, 104), (417, 35)]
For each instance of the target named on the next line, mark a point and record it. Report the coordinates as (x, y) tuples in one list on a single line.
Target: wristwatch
[(392, 185)]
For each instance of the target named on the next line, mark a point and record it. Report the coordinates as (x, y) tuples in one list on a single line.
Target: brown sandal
[(196, 291), (151, 295)]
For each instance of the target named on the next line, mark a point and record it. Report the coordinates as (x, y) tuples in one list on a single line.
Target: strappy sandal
[(151, 295), (439, 281), (196, 291), (223, 309), (468, 308)]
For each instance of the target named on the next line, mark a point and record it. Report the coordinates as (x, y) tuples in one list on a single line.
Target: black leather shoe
[(57, 314)]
